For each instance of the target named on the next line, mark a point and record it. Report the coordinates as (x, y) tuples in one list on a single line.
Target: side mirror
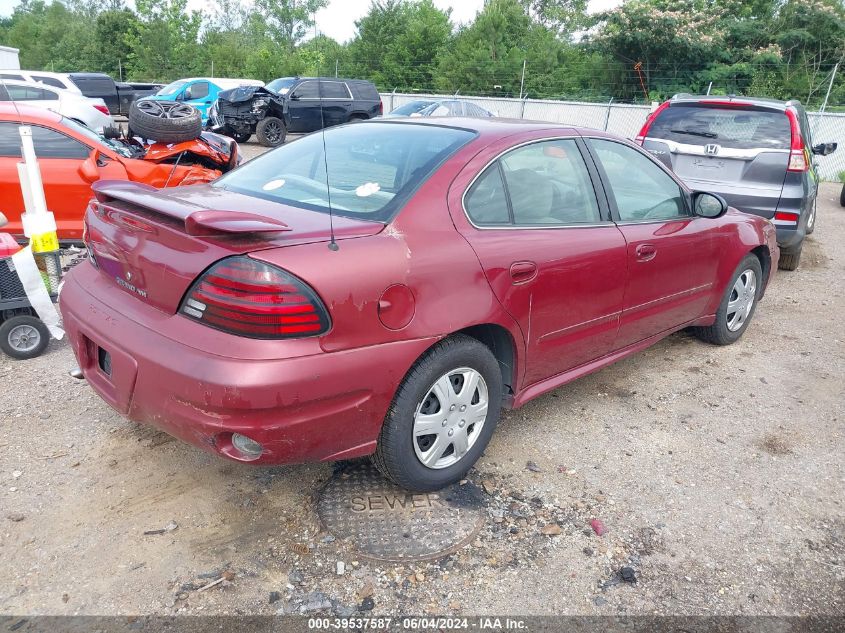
[(824, 149), (3, 220), (294, 97), (88, 170), (708, 205)]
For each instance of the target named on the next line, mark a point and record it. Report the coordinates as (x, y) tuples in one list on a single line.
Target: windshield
[(410, 108), (373, 168), (282, 85), (728, 127), (172, 88), (97, 139)]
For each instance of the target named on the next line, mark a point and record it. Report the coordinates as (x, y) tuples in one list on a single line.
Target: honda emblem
[(711, 149)]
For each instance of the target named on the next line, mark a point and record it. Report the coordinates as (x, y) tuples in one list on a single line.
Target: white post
[(709, 87), (829, 86), (38, 223), (120, 69), (212, 68), (522, 81), (336, 63)]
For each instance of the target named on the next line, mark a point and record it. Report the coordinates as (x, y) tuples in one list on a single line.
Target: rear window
[(373, 168), (727, 127), (364, 90)]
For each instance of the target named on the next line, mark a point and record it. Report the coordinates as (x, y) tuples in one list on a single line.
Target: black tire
[(38, 337), (812, 218), (396, 455), (270, 131), (719, 333), (357, 118), (165, 121), (842, 196), (789, 260)]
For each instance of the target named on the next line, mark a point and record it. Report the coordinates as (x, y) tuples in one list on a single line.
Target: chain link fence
[(624, 119)]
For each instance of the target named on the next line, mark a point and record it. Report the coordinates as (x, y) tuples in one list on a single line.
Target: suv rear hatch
[(153, 243), (736, 149)]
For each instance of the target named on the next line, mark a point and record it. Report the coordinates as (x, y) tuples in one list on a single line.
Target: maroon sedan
[(442, 269)]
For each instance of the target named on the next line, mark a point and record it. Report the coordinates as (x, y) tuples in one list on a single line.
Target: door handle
[(646, 252), (522, 272)]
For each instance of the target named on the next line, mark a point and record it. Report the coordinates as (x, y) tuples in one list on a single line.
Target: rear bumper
[(313, 407)]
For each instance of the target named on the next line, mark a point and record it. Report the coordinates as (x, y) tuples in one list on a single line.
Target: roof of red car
[(19, 112), (487, 126)]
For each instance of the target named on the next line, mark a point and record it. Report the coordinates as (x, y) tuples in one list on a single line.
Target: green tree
[(288, 21), (398, 42), (165, 44)]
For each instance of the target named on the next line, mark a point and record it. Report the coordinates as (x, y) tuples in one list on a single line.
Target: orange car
[(72, 156)]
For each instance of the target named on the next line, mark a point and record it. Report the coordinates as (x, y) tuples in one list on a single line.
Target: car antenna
[(173, 170), (333, 245)]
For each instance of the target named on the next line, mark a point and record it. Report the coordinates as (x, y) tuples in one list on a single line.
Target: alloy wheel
[(450, 417), (741, 301), (273, 132)]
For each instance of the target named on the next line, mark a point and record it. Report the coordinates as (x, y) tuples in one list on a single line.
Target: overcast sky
[(338, 19)]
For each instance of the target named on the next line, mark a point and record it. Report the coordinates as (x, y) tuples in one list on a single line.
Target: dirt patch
[(775, 444)]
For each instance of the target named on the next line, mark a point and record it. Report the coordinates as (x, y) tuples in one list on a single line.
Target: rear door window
[(28, 93), (728, 127), (334, 90)]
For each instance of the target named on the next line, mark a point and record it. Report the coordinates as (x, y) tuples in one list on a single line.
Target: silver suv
[(754, 152)]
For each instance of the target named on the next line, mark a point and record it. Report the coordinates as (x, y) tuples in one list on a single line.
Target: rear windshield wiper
[(694, 133)]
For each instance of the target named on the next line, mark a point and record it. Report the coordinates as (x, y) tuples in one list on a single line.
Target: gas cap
[(396, 307)]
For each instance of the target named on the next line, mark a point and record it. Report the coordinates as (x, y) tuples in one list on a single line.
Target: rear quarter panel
[(421, 250), (741, 233)]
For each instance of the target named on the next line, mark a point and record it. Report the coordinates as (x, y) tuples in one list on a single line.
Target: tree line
[(641, 51)]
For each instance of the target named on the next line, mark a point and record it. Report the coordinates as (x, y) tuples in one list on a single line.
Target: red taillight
[(380, 107), (786, 216), (649, 120), (249, 298), (102, 109), (797, 151)]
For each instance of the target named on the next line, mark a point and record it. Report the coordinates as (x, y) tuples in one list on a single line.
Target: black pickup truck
[(118, 95)]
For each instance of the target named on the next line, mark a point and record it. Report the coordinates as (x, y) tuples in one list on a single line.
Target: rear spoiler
[(197, 220)]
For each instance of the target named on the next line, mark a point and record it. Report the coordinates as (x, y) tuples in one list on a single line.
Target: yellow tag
[(44, 243)]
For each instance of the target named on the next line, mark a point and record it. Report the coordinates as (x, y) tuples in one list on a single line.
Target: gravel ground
[(717, 472)]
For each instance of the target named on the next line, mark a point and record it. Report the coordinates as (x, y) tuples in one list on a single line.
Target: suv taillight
[(380, 107), (649, 120), (797, 152), (102, 108), (249, 298)]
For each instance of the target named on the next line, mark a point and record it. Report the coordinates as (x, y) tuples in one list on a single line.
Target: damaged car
[(386, 288), (72, 157), (292, 104)]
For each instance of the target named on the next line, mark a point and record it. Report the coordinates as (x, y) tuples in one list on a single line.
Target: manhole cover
[(388, 523)]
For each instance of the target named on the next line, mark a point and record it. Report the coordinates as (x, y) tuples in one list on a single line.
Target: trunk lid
[(154, 243)]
